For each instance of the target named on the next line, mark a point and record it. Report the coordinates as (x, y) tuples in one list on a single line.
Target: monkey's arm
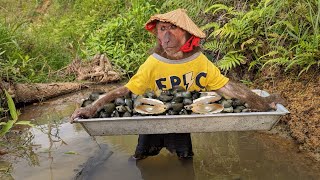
[(91, 110), (243, 93)]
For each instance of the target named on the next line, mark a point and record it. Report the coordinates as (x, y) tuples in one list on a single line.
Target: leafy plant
[(123, 39), (6, 126), (231, 60), (271, 33)]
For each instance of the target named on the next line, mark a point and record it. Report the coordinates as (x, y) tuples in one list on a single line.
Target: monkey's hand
[(275, 99), (84, 112)]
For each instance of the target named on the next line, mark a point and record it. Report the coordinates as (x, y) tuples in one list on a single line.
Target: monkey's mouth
[(170, 47)]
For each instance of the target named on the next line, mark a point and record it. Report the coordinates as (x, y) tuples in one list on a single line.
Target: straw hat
[(179, 18)]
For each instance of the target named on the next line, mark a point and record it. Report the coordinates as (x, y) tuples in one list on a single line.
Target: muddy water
[(63, 150)]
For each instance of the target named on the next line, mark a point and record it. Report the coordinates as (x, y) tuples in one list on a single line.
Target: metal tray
[(184, 123)]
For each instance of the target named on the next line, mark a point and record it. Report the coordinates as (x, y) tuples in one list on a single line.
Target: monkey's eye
[(173, 27), (163, 28)]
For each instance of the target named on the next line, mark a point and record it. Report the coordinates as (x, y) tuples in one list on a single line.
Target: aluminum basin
[(245, 121)]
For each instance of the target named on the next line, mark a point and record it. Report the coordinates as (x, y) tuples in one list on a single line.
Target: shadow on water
[(94, 163), (166, 167), (66, 151)]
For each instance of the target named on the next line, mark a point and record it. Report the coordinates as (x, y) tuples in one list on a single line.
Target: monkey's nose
[(167, 37)]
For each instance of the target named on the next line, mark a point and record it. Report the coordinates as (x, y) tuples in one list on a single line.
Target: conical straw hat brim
[(179, 18)]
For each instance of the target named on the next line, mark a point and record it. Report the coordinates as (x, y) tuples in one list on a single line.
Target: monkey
[(177, 60)]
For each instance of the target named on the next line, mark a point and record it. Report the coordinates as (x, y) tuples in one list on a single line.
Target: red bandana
[(150, 26), (190, 44)]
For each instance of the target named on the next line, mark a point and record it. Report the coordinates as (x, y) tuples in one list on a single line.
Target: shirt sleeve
[(215, 79), (139, 83)]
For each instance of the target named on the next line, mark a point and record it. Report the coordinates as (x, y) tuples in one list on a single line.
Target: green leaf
[(27, 123), (6, 127), (71, 152), (266, 3), (12, 107), (218, 7), (213, 25)]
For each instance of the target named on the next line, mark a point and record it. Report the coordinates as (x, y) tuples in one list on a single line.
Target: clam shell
[(149, 106), (207, 99), (209, 93), (205, 108), (148, 101), (149, 109)]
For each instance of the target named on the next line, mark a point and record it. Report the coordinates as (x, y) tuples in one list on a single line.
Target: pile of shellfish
[(175, 101)]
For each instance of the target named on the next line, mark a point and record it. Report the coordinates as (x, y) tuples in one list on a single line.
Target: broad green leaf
[(12, 107)]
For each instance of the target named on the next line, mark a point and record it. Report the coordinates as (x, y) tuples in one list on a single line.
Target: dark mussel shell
[(183, 112), (176, 89), (239, 109), (127, 114), (128, 102), (226, 103), (228, 110), (176, 106), (165, 98), (195, 95), (177, 99), (237, 102), (150, 94), (172, 112), (187, 101), (109, 108), (119, 102), (103, 114), (86, 103), (115, 114), (95, 95)]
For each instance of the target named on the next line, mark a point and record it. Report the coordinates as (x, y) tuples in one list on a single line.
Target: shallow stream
[(62, 150)]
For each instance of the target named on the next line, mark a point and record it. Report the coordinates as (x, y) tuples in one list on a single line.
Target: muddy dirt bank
[(303, 97)]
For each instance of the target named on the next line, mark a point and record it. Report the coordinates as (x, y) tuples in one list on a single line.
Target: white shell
[(206, 108), (148, 109), (149, 106), (148, 101), (207, 99)]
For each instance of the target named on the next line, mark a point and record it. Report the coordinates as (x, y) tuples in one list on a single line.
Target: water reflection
[(242, 155), (167, 167)]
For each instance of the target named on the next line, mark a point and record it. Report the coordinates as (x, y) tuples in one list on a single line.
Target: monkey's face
[(171, 38)]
